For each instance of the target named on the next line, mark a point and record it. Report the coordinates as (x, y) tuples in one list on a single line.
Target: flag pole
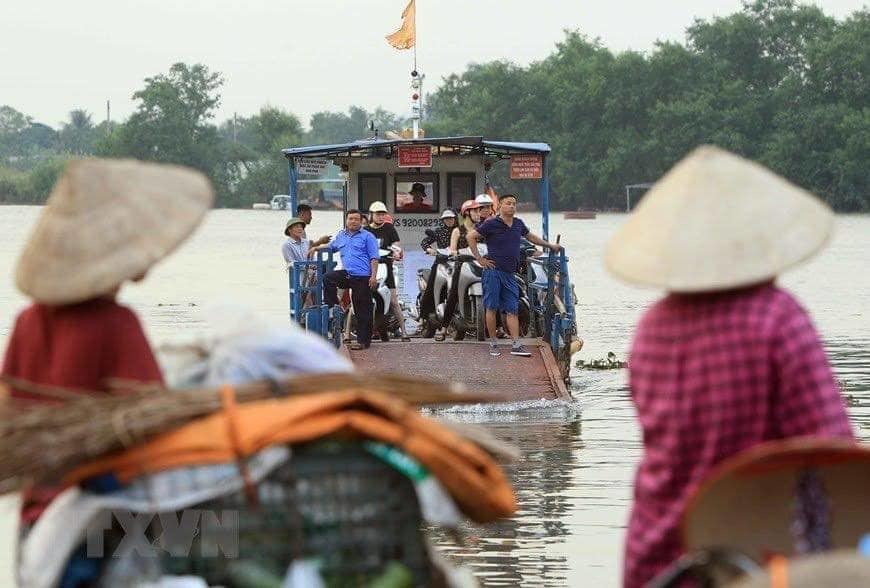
[(416, 107), (415, 37)]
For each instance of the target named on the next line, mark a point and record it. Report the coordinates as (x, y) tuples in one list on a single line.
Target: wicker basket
[(333, 502)]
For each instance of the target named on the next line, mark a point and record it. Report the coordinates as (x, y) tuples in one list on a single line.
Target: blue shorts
[(500, 291)]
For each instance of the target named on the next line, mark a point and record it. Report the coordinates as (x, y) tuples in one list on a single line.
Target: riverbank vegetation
[(779, 82)]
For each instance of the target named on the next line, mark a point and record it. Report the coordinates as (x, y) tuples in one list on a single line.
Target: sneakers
[(493, 349), (519, 350)]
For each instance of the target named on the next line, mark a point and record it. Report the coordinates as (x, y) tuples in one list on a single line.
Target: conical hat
[(717, 221), (107, 221)]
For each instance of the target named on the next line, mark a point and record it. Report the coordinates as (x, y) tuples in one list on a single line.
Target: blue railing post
[(545, 198), (567, 293), (296, 295), (315, 316), (292, 174)]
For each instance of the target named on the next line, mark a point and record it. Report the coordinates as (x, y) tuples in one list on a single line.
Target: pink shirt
[(712, 375)]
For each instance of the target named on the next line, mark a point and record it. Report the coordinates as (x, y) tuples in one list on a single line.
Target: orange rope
[(778, 572), (231, 411)]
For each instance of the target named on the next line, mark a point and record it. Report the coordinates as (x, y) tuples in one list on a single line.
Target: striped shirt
[(295, 250)]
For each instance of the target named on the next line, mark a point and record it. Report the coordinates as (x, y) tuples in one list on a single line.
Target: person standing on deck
[(359, 256), (501, 292), (388, 238), (727, 359), (303, 212), (296, 247), (105, 222), (470, 218)]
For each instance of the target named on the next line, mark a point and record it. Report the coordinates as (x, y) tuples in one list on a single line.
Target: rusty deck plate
[(469, 362)]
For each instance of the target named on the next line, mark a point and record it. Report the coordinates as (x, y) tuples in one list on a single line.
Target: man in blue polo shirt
[(501, 292), (359, 256)]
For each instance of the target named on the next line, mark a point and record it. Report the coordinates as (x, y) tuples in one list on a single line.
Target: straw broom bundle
[(41, 443)]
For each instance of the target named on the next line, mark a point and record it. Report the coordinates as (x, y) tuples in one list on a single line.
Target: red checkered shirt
[(712, 375)]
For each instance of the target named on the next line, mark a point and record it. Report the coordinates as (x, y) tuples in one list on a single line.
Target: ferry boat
[(452, 170)]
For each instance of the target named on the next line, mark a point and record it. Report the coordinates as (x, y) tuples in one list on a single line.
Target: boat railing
[(552, 301), (307, 306)]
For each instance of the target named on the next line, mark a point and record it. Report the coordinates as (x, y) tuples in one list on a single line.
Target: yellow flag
[(406, 36)]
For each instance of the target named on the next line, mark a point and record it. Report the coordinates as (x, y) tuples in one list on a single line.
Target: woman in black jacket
[(442, 233)]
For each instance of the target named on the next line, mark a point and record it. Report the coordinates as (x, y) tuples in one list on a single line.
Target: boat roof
[(464, 145)]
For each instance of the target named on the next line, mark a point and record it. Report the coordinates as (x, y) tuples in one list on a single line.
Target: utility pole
[(108, 115), (234, 127)]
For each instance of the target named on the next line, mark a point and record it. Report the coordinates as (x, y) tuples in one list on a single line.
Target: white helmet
[(484, 200), (378, 206), (448, 213)]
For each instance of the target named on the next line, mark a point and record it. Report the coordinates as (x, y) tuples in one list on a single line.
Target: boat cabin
[(419, 178)]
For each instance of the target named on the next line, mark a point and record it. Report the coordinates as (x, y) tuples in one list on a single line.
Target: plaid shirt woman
[(726, 360)]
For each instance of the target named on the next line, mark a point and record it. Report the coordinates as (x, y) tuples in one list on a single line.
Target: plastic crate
[(332, 502)]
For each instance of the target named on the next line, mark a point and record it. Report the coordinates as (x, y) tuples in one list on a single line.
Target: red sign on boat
[(527, 166), (415, 156)]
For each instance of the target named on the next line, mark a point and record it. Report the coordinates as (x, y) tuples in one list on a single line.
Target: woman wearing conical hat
[(726, 359), (106, 222)]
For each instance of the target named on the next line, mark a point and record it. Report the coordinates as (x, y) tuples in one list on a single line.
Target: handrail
[(557, 307), (307, 306)]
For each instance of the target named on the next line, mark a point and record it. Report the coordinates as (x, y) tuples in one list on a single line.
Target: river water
[(574, 481)]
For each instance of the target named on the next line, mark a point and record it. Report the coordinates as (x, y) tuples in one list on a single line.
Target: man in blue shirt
[(359, 255), (501, 292)]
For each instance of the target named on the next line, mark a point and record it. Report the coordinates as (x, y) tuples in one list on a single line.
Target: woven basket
[(332, 502)]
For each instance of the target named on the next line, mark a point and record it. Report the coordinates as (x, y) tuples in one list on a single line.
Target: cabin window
[(372, 187), (416, 193), (460, 187)]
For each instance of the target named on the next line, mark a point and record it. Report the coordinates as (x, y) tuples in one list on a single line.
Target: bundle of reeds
[(44, 442)]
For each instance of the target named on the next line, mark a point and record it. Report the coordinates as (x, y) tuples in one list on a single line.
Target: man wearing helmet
[(388, 238), (501, 292)]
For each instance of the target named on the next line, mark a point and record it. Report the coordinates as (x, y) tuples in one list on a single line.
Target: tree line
[(779, 82)]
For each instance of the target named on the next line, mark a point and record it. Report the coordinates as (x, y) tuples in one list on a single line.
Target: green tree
[(12, 123), (263, 171), (336, 127), (77, 136), (171, 121)]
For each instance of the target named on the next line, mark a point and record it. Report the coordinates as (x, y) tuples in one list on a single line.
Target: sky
[(302, 56)]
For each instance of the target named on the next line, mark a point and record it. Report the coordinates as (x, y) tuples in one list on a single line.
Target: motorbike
[(434, 285), (465, 301), (385, 320)]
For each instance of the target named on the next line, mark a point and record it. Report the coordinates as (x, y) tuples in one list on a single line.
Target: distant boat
[(278, 202), (580, 214)]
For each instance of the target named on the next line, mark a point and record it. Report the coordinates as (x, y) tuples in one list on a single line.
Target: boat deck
[(505, 377)]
